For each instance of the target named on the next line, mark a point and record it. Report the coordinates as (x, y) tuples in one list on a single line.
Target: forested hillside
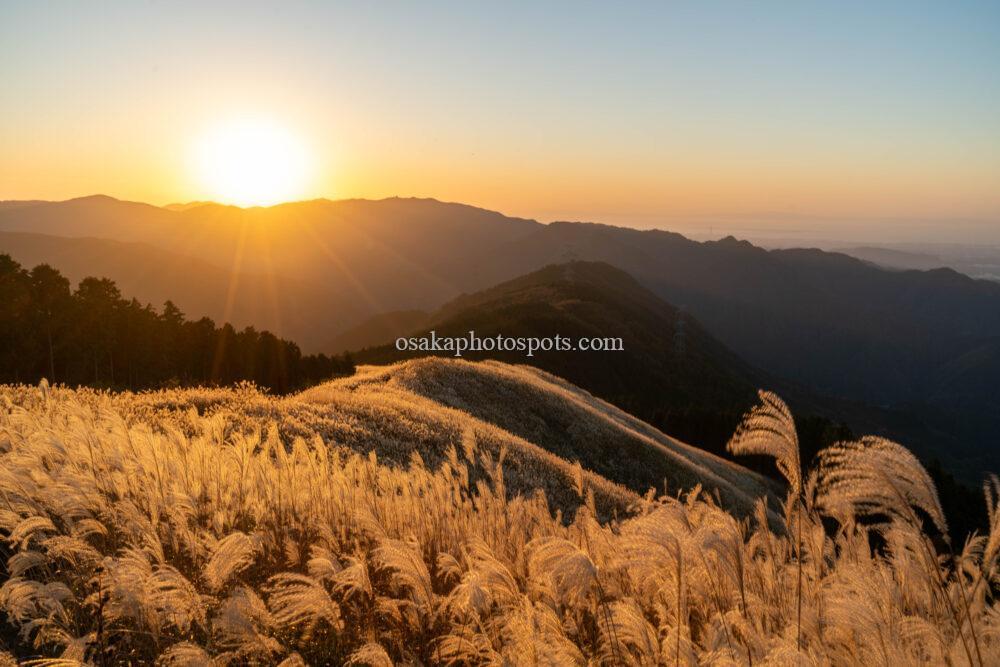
[(93, 335)]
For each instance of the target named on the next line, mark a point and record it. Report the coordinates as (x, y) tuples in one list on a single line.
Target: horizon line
[(702, 219)]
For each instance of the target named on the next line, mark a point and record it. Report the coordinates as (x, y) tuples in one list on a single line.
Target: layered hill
[(830, 321), (674, 374), (198, 287), (826, 321), (309, 270), (380, 329), (562, 419), (670, 369), (549, 434), (833, 322), (800, 313)]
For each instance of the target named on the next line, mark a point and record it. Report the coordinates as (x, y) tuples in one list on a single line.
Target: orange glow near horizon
[(269, 156), (234, 153), (878, 122)]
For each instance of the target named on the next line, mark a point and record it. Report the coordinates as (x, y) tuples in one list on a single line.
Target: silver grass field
[(377, 520)]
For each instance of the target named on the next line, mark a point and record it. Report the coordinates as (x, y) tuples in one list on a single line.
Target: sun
[(252, 162)]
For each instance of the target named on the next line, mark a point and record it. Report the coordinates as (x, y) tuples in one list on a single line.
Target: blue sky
[(635, 113)]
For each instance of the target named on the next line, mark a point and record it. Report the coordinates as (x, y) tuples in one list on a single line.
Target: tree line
[(94, 336)]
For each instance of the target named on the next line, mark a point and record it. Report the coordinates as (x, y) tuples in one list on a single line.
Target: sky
[(871, 119)]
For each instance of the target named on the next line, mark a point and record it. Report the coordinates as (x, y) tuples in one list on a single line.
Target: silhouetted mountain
[(975, 261), (379, 330), (94, 336), (892, 258), (20, 203), (152, 275), (825, 319), (364, 257), (412, 239), (676, 376), (833, 323), (670, 372), (189, 205)]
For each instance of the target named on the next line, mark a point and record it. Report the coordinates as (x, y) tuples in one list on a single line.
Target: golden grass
[(365, 523)]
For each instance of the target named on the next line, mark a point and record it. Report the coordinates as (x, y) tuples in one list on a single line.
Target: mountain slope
[(822, 320), (379, 330), (669, 366), (558, 417), (539, 426), (833, 322), (670, 372), (285, 306), (361, 257), (675, 375)]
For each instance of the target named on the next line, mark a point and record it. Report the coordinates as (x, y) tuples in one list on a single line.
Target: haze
[(801, 120)]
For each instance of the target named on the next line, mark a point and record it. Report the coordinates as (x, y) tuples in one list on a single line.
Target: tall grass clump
[(223, 527)]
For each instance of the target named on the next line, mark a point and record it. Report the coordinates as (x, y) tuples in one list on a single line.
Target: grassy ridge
[(571, 423), (351, 525)]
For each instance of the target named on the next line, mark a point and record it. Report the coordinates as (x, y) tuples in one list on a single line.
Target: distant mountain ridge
[(891, 258), (821, 318), (365, 257), (824, 320)]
